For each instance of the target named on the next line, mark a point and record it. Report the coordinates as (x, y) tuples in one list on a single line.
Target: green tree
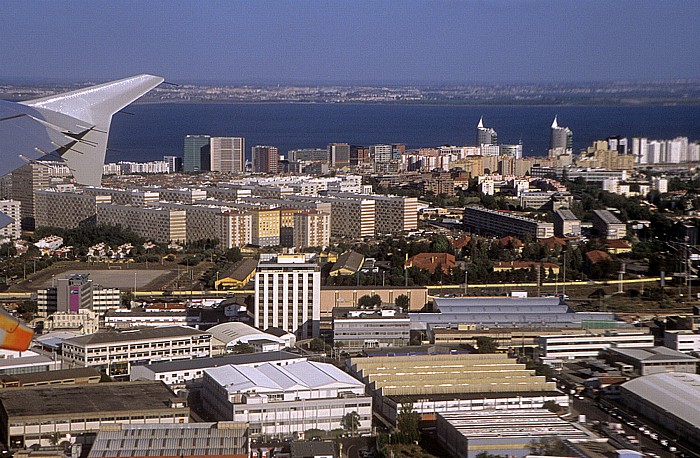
[(440, 244), (548, 446), (351, 422), (368, 301), (317, 344), (485, 454), (408, 422), (402, 301), (486, 344), (552, 406)]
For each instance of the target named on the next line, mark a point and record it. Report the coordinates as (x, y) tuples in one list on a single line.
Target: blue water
[(159, 129)]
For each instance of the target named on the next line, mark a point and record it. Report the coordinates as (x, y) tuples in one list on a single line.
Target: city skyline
[(383, 42)]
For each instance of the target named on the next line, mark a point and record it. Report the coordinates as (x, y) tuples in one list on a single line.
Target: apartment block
[(132, 197), (608, 225), (26, 180), (311, 228), (158, 224), (288, 295), (12, 209), (265, 227), (116, 352), (235, 229), (66, 209), (181, 195), (485, 221)]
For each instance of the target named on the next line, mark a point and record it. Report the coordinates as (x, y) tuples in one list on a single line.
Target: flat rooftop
[(98, 398), (204, 363), (163, 332)]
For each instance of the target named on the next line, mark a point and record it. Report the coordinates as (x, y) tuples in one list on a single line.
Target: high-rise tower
[(196, 156), (227, 154), (485, 135), (265, 159), (561, 139)]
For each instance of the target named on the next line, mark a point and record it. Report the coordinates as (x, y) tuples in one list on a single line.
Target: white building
[(589, 345), (685, 341), (115, 352), (283, 400), (12, 230), (177, 374), (288, 295), (360, 329)]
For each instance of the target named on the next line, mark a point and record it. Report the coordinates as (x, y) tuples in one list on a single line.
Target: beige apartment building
[(133, 197), (395, 214), (182, 195), (312, 228), (66, 209), (11, 208), (158, 224), (234, 228), (266, 227), (227, 154), (26, 180), (353, 218)]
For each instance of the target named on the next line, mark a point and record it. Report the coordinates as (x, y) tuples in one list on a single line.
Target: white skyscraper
[(288, 295)]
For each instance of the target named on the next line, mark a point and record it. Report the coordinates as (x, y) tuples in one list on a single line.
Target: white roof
[(234, 331), (272, 378)]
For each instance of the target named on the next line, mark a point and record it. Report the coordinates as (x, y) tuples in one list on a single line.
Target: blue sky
[(403, 41)]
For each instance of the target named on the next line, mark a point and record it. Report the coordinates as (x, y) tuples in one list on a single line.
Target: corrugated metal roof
[(674, 392)]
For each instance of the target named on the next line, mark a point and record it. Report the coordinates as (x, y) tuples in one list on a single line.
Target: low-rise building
[(484, 221), (355, 330), (116, 352), (239, 275), (654, 360), (685, 341), (77, 376), (590, 345), (283, 400), (177, 374), (566, 224), (42, 415), (607, 225), (14, 363)]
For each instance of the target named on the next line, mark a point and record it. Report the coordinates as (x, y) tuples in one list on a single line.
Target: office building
[(67, 209), (196, 153), (42, 415), (177, 374), (188, 440), (590, 345), (561, 138), (566, 224), (685, 340), (452, 383), (607, 225), (283, 400), (11, 208), (654, 360), (485, 135), (339, 154), (161, 225), (359, 155), (354, 330), (311, 228), (484, 221), (308, 155), (227, 154), (265, 159), (288, 295), (507, 432), (174, 163), (75, 293), (116, 352), (26, 180)]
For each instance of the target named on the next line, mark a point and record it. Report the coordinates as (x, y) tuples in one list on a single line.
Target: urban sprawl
[(358, 301)]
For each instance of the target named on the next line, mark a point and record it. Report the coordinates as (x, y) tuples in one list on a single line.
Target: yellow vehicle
[(13, 334)]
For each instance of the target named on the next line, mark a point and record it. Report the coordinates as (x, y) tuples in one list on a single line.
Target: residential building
[(348, 263), (288, 295), (311, 229), (11, 208), (133, 197), (265, 159), (27, 417), (607, 225), (116, 352), (319, 397), (177, 374), (67, 209), (432, 261), (26, 180), (83, 321), (354, 330), (235, 228), (227, 154), (158, 224), (265, 227), (181, 195), (566, 224), (174, 163), (196, 153), (224, 439), (308, 154), (590, 345), (498, 223), (452, 383)]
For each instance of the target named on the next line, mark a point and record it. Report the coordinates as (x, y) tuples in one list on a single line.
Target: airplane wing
[(73, 126)]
